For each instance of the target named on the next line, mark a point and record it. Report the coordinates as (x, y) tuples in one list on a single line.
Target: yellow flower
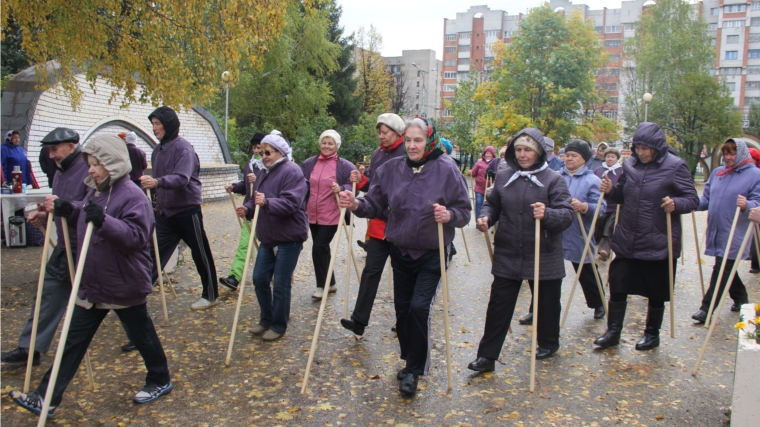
[(757, 307), (740, 325), (757, 320)]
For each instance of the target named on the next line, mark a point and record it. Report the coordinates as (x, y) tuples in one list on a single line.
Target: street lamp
[(647, 98), (422, 104), (226, 77)]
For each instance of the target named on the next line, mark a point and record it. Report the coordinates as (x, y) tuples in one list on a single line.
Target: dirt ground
[(353, 379)]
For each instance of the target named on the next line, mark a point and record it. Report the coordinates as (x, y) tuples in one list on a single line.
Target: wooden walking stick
[(37, 302), (669, 223), (583, 258), (72, 275), (66, 325), (757, 240), (234, 207), (537, 258), (617, 215), (350, 254), (593, 263), (158, 266), (169, 282), (683, 253), (464, 239), (699, 253), (445, 283), (722, 266), (323, 303), (242, 284), (747, 237)]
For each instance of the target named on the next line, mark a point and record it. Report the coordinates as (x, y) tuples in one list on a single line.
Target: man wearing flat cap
[(63, 147)]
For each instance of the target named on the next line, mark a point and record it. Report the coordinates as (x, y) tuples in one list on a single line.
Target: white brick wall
[(54, 110)]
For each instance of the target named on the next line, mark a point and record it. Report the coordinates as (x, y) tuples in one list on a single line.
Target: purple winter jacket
[(68, 185), (118, 265), (243, 187), (283, 217), (614, 177), (176, 167), (138, 161), (410, 197), (641, 232)]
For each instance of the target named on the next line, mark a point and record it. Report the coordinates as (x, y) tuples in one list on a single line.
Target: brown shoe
[(271, 335), (258, 330)]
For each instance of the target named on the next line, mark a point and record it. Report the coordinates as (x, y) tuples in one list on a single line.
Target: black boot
[(651, 338), (614, 325)]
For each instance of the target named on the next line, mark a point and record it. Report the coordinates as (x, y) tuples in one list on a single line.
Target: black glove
[(95, 214), (62, 208), (490, 174)]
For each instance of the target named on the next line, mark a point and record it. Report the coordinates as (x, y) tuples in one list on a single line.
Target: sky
[(418, 24)]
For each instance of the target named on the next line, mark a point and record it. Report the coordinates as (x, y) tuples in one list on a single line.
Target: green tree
[(754, 119), (13, 57), (466, 110), (346, 105), (542, 78), (673, 57)]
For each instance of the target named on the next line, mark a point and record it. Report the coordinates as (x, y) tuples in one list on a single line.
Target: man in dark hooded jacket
[(178, 195)]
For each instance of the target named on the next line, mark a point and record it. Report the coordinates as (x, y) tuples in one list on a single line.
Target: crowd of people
[(411, 186)]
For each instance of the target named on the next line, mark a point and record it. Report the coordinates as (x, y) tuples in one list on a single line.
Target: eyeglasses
[(268, 153)]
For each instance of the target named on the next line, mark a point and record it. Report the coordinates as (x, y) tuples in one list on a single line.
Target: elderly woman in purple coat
[(735, 184), (655, 183), (417, 192)]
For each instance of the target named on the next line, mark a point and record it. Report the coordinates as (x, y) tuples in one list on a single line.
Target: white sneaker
[(333, 288), (203, 304), (318, 293)]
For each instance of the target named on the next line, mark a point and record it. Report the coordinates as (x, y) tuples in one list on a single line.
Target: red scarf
[(394, 146), (733, 169)]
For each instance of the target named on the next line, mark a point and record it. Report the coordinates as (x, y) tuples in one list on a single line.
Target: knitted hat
[(548, 144), (579, 146), (393, 121), (277, 142), (612, 150), (527, 141), (332, 134), (131, 138), (446, 143), (502, 150), (755, 156), (561, 151)]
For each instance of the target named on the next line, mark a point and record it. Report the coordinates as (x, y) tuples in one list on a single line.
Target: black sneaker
[(130, 346), (230, 282), (150, 393), (362, 244), (19, 357), (32, 402)]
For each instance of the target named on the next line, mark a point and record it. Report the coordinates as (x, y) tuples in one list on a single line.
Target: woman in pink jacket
[(479, 172)]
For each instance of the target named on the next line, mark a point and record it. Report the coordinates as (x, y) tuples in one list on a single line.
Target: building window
[(754, 22), (446, 113), (731, 71), (732, 54), (756, 5), (449, 87), (612, 43), (613, 29), (733, 24), (418, 83), (612, 100), (464, 48), (715, 11), (751, 85), (735, 8), (464, 36), (610, 114), (614, 58), (610, 72), (450, 63), (599, 29), (493, 33), (753, 53), (713, 26), (463, 76), (732, 86), (753, 70), (509, 34), (749, 100), (451, 49), (449, 75), (712, 41), (732, 39), (464, 61), (754, 37), (451, 37), (610, 86)]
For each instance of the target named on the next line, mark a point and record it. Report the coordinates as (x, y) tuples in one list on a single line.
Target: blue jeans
[(478, 204), (275, 306)]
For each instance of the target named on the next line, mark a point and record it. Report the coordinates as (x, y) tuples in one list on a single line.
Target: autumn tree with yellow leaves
[(177, 49), (374, 79)]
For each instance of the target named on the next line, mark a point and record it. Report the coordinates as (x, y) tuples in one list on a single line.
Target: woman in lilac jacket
[(735, 184), (417, 192), (116, 273)]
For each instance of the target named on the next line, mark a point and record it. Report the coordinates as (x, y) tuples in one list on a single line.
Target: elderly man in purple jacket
[(178, 195), (417, 191), (116, 273), (64, 149)]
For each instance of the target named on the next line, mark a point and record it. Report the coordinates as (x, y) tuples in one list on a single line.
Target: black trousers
[(589, 286), (501, 306), (84, 323), (415, 283), (737, 291), (189, 228), (377, 254), (321, 236)]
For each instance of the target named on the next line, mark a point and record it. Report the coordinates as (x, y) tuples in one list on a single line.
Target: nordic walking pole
[(72, 274), (669, 223), (66, 325), (593, 264), (722, 266), (350, 254), (757, 240), (234, 207), (617, 215), (323, 303), (158, 266), (37, 302), (583, 258), (683, 253), (537, 258), (242, 284), (464, 239), (445, 283), (747, 236), (169, 283), (488, 243), (699, 253)]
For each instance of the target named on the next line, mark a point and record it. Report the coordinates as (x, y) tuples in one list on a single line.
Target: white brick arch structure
[(35, 113)]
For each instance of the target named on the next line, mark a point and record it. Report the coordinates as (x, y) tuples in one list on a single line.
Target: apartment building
[(417, 83)]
